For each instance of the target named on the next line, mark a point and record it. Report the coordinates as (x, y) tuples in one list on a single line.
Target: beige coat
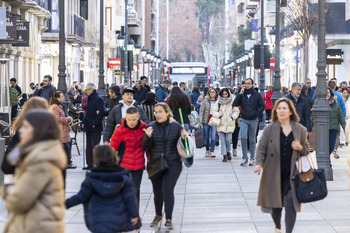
[(227, 115), (268, 156), (37, 203)]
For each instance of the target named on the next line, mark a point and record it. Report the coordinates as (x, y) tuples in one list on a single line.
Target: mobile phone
[(41, 84)]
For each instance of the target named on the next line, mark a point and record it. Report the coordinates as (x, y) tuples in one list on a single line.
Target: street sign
[(334, 56), (11, 30), (114, 62), (22, 34), (254, 25), (2, 22), (272, 63)]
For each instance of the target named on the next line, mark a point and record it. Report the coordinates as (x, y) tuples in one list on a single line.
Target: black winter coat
[(155, 145), (107, 194), (93, 121), (115, 118), (45, 92), (251, 108), (303, 109), (186, 110), (140, 95), (6, 167)]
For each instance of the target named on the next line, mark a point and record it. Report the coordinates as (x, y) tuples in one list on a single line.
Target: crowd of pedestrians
[(139, 126)]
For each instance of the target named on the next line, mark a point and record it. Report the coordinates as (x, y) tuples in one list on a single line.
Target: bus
[(192, 73)]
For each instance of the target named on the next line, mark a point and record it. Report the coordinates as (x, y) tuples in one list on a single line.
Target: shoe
[(87, 168), (234, 152), (251, 162), (169, 225), (217, 144), (157, 219), (278, 230), (336, 154), (244, 162), (229, 157), (341, 145), (71, 166), (212, 155), (224, 158), (207, 153)]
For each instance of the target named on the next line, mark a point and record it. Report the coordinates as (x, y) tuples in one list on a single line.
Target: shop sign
[(254, 27), (22, 34), (11, 31), (334, 56), (2, 23), (112, 62)]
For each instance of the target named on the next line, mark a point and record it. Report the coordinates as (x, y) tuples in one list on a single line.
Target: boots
[(224, 158), (229, 157)]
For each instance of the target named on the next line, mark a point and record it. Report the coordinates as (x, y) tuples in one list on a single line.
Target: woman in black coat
[(160, 139), (178, 99)]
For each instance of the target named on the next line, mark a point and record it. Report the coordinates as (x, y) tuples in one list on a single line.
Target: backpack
[(13, 97), (194, 119)]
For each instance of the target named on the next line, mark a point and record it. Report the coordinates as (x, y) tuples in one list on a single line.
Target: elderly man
[(45, 89), (92, 122), (117, 114)]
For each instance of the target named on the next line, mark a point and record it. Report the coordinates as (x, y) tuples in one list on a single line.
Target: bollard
[(2, 152)]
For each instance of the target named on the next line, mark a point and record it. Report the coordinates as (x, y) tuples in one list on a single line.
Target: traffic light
[(130, 61), (267, 56)]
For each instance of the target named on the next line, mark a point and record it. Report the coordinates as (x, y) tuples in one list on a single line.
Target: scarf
[(249, 91), (331, 101), (225, 101)]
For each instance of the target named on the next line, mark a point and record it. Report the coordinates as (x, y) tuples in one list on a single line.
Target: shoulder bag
[(158, 165), (310, 185)]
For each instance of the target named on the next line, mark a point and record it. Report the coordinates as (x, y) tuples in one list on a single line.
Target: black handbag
[(198, 134), (310, 186), (158, 165)]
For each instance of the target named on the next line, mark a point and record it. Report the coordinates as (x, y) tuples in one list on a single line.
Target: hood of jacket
[(46, 151), (107, 184)]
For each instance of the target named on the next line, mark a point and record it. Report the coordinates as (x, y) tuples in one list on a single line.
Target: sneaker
[(278, 230), (234, 152), (169, 225), (229, 157), (212, 155), (87, 168), (251, 162), (217, 144), (224, 158), (157, 219), (207, 153), (71, 166), (244, 162), (336, 154)]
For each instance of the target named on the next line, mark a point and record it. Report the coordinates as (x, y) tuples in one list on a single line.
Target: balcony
[(39, 8), (133, 19), (78, 35), (42, 3)]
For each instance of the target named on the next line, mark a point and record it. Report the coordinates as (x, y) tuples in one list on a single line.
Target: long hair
[(178, 98), (294, 117), (205, 91), (166, 108), (33, 103), (213, 89), (45, 128), (150, 99), (195, 89), (223, 90), (54, 98)]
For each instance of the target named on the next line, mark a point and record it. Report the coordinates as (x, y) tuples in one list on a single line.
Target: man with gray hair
[(301, 105), (92, 122)]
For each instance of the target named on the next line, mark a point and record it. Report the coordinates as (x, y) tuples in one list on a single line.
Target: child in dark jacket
[(108, 196)]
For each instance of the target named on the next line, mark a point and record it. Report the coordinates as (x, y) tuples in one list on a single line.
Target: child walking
[(108, 195)]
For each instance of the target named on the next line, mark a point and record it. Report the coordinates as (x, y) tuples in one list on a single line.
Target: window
[(241, 7), (84, 9), (54, 22)]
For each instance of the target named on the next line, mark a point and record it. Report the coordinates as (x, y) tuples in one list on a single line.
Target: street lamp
[(129, 48), (297, 37), (321, 109), (120, 39), (137, 52), (101, 77), (246, 58), (143, 54)]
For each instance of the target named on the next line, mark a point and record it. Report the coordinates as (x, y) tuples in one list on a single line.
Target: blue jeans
[(248, 126), (209, 136), (225, 141), (187, 127), (332, 138)]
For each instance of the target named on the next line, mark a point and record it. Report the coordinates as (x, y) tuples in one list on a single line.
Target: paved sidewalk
[(213, 196)]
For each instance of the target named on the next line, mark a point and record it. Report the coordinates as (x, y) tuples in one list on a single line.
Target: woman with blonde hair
[(33, 103), (282, 142)]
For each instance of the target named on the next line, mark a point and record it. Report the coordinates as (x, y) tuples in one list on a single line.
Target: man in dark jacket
[(117, 114), (144, 83), (92, 122), (162, 91), (45, 89), (301, 105), (140, 92), (114, 95), (252, 106)]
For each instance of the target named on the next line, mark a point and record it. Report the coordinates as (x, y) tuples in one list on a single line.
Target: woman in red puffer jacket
[(127, 139), (268, 102)]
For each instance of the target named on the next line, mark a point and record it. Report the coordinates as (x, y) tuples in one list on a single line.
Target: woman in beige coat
[(227, 114), (36, 200), (281, 143)]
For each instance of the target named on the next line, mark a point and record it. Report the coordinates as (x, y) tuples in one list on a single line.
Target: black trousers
[(14, 112), (67, 149), (93, 138), (163, 189), (235, 136), (137, 178)]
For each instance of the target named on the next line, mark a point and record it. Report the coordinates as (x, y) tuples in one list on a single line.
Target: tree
[(243, 34)]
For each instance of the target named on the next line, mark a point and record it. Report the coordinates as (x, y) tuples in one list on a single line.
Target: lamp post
[(143, 54), (262, 54), (120, 39), (297, 37), (246, 58), (277, 77), (250, 55), (130, 48), (101, 77), (62, 85), (137, 52), (126, 73), (148, 58), (321, 109)]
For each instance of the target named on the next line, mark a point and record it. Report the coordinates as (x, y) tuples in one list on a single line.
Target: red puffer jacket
[(128, 144), (267, 99)]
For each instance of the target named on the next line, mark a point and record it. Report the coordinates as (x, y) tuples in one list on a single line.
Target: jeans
[(248, 126), (136, 179), (235, 136), (225, 141), (210, 136), (332, 138)]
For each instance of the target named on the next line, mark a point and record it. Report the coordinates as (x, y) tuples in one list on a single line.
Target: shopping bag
[(198, 134)]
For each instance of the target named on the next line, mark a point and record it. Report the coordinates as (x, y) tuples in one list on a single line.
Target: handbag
[(214, 121), (158, 165), (310, 185), (198, 135)]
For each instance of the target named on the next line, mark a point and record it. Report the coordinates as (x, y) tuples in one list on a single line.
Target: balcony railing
[(42, 3), (79, 26)]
